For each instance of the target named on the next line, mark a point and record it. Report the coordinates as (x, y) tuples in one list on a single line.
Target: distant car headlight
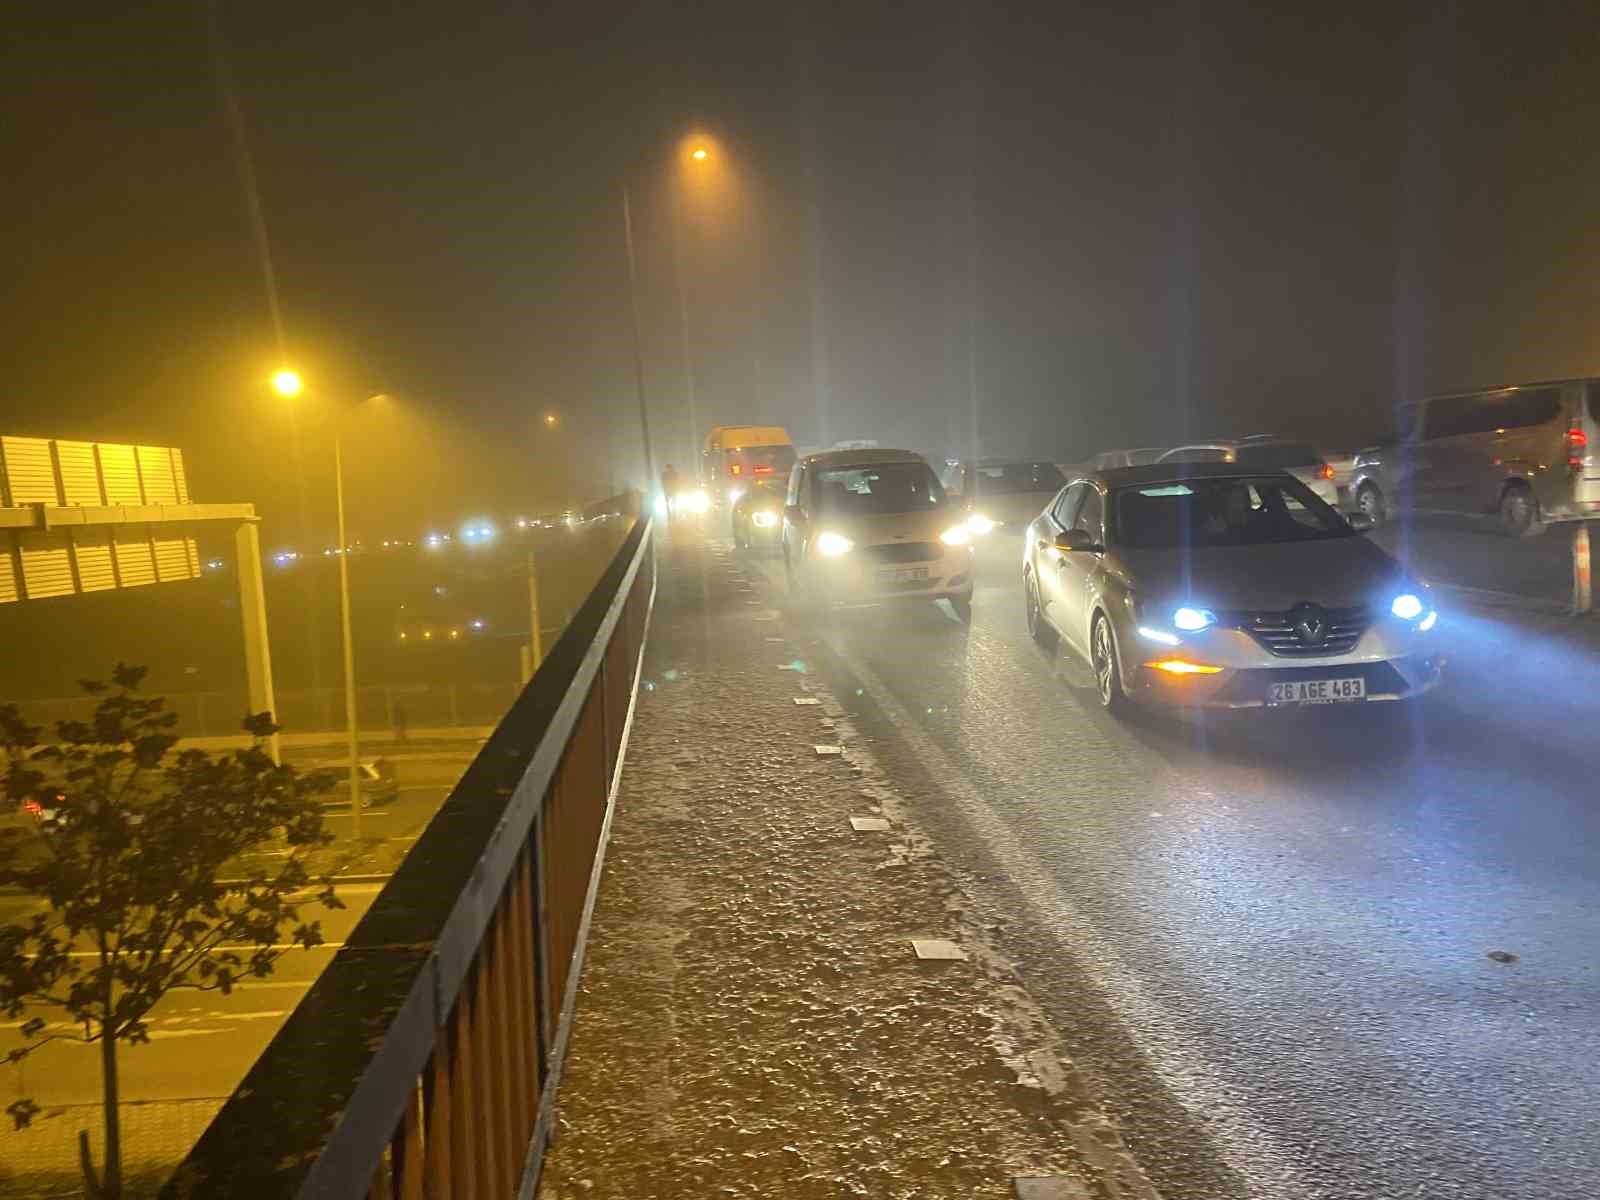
[(694, 502), (980, 524), (1192, 620), (833, 544), (764, 519), (735, 495), (1407, 607), (956, 535), (1428, 622)]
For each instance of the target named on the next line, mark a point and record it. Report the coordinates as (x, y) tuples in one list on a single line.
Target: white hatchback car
[(1262, 453), (871, 525), (1211, 585)]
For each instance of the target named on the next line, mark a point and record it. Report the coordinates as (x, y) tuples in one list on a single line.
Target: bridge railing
[(425, 1059)]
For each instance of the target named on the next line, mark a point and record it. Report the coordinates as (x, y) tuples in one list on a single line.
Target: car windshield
[(1278, 455), (879, 488), (1207, 513), (1009, 479)]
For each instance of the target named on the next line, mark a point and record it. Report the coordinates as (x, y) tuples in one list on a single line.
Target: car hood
[(871, 529), (1335, 573), (1014, 510)]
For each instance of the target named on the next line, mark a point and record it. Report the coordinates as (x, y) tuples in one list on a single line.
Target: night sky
[(1051, 229)]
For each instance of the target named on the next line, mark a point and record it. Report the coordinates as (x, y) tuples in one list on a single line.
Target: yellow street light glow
[(699, 154), (550, 418), (286, 383)]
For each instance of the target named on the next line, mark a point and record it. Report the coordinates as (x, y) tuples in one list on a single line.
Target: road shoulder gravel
[(752, 1019)]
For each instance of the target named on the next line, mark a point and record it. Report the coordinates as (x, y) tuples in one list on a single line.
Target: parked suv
[(873, 525), (1524, 454), (1265, 453)]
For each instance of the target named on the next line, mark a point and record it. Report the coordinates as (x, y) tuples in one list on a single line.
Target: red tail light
[(762, 471), (1577, 443), (735, 469), (1326, 472)]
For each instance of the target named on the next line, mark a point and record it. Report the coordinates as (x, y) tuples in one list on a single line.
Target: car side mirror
[(794, 514), (1074, 541), (1361, 522)]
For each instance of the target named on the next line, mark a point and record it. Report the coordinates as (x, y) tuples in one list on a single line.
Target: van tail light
[(1326, 472), (1577, 443), (761, 471)]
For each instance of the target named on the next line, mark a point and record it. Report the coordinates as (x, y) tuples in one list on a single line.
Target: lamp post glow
[(288, 384), (699, 154)]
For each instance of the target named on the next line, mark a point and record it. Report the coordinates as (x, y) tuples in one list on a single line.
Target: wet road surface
[(1268, 936)]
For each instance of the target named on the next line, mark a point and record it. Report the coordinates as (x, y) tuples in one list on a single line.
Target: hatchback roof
[(862, 458), (1175, 472)]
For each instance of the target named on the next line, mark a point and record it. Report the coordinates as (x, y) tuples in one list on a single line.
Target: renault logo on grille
[(1310, 625)]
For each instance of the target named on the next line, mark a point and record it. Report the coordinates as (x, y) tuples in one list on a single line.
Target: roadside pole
[(535, 644), (1582, 595)]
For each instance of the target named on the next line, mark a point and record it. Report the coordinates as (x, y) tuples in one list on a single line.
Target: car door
[(1047, 559), (1074, 572)]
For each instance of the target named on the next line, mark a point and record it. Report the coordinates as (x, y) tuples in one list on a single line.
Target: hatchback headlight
[(764, 519), (833, 544), (956, 535), (980, 524), (1192, 620), (1407, 607)]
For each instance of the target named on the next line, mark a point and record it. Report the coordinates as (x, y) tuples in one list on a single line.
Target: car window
[(796, 478), (879, 488), (1523, 409), (1211, 513), (1011, 479), (1088, 516), (1278, 455), (1454, 416), (951, 480), (1196, 454), (1066, 505)]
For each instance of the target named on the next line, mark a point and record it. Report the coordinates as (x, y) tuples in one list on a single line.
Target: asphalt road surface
[(1268, 936)]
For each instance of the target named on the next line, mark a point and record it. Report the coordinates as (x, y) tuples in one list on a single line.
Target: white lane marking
[(245, 949), (1250, 1151)]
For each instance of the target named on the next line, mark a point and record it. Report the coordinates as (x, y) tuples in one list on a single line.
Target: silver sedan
[(1214, 586)]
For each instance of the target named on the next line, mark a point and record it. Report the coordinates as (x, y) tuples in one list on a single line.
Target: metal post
[(455, 718), (253, 610), (349, 654), (1582, 596), (638, 345), (535, 642), (683, 330), (525, 654)]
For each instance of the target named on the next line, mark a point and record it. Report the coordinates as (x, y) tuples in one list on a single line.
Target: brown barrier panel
[(437, 1129)]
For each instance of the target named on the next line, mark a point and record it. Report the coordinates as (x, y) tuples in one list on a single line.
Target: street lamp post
[(288, 384)]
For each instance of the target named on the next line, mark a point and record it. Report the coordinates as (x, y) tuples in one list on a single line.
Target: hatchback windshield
[(879, 488), (1223, 512), (1009, 479)]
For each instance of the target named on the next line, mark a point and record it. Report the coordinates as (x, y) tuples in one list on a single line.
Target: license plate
[(903, 575), (1317, 691)]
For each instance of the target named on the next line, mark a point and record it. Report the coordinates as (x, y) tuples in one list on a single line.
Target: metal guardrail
[(424, 1061)]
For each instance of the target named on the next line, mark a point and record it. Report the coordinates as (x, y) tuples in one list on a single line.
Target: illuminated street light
[(699, 154), (550, 419), (287, 384)]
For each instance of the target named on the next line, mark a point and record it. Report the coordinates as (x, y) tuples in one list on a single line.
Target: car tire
[(1107, 670), (1369, 500), (1040, 630), (961, 605), (1519, 512)]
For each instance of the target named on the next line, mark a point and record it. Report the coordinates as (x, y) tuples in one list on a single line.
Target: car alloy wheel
[(1103, 658), (1370, 501)]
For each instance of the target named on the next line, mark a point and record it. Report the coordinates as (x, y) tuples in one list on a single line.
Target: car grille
[(1278, 631), (904, 552)]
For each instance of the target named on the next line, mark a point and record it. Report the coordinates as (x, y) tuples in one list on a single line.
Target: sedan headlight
[(1192, 620), (694, 502), (764, 519), (1407, 607), (980, 524), (956, 535), (833, 544)]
